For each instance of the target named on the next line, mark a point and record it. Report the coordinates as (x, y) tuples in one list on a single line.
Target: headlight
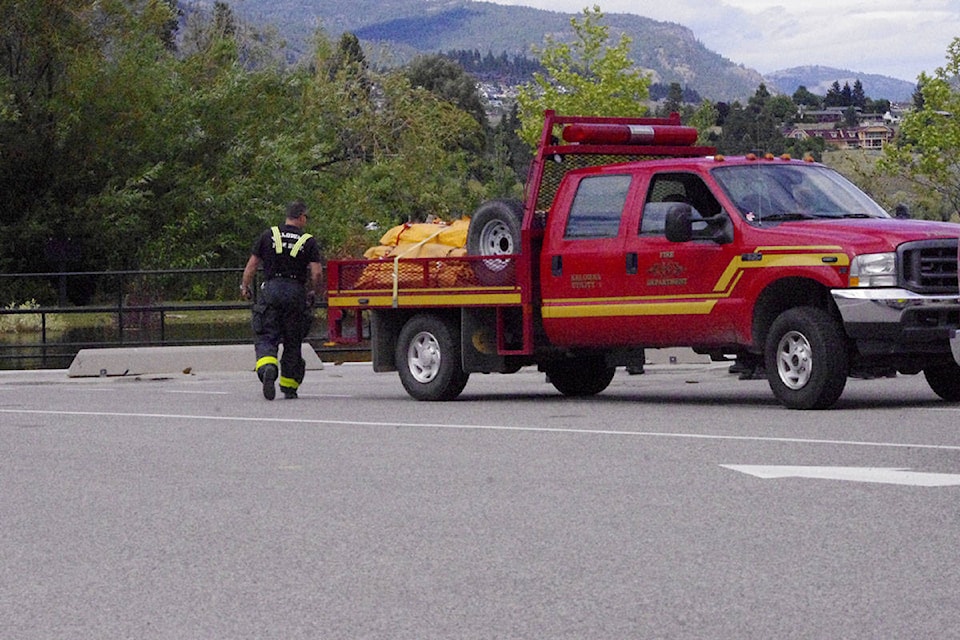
[(874, 270)]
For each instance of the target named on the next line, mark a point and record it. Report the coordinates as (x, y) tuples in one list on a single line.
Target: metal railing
[(134, 308)]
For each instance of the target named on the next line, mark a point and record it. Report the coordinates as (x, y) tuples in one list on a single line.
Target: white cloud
[(888, 37)]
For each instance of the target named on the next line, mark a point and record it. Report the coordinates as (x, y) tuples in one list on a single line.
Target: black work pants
[(281, 316)]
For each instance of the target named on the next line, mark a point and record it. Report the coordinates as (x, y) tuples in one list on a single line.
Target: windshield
[(776, 192)]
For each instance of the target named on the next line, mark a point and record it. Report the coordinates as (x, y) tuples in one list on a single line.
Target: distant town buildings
[(872, 131)]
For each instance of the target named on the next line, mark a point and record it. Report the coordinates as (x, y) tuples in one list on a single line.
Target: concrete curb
[(127, 361)]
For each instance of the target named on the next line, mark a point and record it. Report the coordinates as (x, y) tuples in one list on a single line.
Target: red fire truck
[(632, 237)]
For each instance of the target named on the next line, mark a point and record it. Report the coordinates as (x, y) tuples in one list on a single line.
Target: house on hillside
[(867, 136)]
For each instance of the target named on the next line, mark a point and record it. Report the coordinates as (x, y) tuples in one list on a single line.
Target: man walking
[(284, 308)]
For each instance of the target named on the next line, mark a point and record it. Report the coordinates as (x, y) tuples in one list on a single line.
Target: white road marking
[(199, 393), (880, 475), (481, 427)]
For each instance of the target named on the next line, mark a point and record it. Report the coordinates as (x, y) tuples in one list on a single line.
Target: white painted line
[(199, 393), (481, 427), (880, 475)]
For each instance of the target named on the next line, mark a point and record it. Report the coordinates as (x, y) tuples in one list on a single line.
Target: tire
[(428, 358), (806, 359), (495, 231), (580, 377), (944, 380)]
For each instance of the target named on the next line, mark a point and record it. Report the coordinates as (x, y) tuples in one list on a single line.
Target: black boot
[(269, 377)]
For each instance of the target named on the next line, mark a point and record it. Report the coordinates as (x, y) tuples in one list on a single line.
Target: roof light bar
[(658, 135)]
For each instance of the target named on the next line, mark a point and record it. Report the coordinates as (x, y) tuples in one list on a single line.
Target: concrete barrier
[(128, 361)]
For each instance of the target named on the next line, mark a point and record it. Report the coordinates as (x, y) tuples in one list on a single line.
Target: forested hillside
[(395, 30)]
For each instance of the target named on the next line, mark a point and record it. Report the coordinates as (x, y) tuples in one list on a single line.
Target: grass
[(27, 322)]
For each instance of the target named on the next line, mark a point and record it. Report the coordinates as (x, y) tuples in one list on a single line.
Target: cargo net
[(415, 274), (555, 169)]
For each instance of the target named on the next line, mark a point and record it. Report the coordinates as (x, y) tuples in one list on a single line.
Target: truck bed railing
[(435, 274)]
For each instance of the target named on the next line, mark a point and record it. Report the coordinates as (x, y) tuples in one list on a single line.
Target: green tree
[(674, 100), (147, 157), (447, 79), (804, 97), (834, 97), (394, 155), (927, 148), (813, 147), (857, 96), (757, 127), (51, 57), (587, 76)]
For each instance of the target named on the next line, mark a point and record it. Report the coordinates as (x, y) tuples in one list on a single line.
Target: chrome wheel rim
[(794, 360), (423, 357), (495, 239)]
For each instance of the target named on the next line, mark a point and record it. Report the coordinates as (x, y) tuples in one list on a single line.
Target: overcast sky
[(897, 38)]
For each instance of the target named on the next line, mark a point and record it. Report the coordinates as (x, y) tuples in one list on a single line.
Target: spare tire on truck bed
[(495, 231)]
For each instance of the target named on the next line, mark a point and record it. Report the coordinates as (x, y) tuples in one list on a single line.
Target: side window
[(597, 207), (669, 189)]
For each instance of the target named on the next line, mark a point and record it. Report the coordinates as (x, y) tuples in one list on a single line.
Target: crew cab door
[(678, 294), (582, 264)]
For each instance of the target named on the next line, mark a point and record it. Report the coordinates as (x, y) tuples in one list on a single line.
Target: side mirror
[(679, 226), (678, 223)]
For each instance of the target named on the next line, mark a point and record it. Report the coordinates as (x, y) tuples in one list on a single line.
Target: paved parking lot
[(681, 503)]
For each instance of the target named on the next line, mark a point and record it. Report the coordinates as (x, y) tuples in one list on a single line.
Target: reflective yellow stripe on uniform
[(277, 241), (265, 360), (289, 383), (299, 245)]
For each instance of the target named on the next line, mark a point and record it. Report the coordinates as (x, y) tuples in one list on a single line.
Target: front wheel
[(806, 358), (428, 358), (944, 380), (580, 377)]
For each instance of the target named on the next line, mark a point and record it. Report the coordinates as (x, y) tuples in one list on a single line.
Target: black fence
[(172, 307)]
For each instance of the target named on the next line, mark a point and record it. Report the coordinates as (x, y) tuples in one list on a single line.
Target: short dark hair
[(296, 209)]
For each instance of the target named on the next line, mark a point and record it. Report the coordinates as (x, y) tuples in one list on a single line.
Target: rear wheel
[(945, 381), (428, 358), (806, 359), (580, 377), (495, 231)]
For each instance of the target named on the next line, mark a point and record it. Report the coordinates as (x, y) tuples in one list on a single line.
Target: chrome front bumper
[(900, 318)]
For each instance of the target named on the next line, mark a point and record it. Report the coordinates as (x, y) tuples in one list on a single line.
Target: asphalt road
[(187, 506)]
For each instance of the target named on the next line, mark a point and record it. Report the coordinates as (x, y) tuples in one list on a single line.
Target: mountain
[(405, 28), (394, 31), (818, 79)]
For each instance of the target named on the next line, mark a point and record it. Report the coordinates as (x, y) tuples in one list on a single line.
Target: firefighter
[(283, 310)]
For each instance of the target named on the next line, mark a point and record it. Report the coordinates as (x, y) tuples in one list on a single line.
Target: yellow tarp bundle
[(402, 238), (439, 240)]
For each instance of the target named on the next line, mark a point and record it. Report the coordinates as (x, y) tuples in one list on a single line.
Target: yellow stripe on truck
[(698, 308), (778, 261), (432, 299)]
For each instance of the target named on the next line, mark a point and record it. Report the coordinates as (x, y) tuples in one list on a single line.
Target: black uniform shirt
[(283, 264)]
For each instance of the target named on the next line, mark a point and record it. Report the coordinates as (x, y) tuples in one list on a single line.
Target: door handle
[(556, 266), (633, 263)]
